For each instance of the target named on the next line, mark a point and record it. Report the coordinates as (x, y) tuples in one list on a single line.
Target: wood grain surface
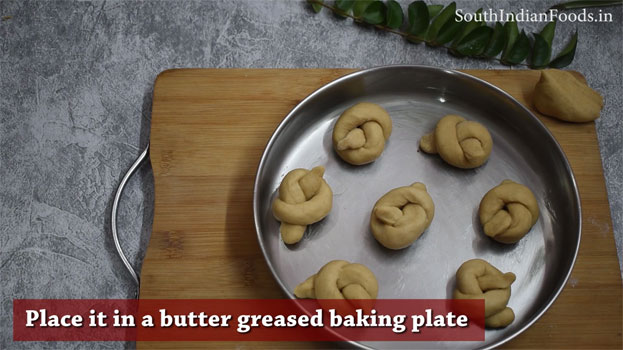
[(209, 129)]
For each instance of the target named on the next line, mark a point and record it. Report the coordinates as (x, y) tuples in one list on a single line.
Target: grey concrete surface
[(75, 96)]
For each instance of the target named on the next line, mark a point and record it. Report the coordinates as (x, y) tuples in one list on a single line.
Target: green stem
[(584, 4)]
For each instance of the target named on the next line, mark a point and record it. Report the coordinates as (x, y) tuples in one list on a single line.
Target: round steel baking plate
[(416, 97)]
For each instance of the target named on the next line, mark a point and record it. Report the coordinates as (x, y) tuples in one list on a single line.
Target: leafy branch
[(439, 26)]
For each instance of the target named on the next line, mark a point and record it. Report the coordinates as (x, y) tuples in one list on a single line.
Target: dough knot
[(461, 143), (477, 279), (304, 198), (401, 216), (508, 211), (360, 133), (339, 279)]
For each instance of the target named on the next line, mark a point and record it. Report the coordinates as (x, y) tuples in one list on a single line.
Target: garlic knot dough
[(401, 215), (462, 143), (508, 211), (304, 198), (360, 133), (339, 279), (477, 279)]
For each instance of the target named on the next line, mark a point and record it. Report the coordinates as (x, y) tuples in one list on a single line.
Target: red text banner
[(248, 320)]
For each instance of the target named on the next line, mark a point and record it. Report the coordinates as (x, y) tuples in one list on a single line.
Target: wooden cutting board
[(209, 129)]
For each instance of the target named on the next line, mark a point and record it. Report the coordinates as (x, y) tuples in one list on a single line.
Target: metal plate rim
[(304, 102)]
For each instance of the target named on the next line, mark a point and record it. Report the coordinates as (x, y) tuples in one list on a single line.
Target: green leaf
[(418, 19), (474, 43), (360, 7), (394, 16), (433, 10), (375, 13), (542, 47), (511, 32), (344, 5), (565, 57), (471, 25), (541, 52), (519, 51), (449, 31), (584, 4), (315, 5), (446, 14), (496, 44), (548, 32)]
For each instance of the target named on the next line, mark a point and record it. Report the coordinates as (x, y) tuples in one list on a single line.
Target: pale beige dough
[(401, 215), (477, 279), (459, 142), (339, 279), (304, 198), (508, 211), (561, 95), (360, 133)]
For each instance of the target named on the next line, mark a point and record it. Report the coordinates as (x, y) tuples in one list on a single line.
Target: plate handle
[(113, 217)]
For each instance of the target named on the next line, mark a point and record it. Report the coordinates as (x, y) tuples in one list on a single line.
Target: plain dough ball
[(561, 95), (462, 143), (477, 279), (360, 133), (339, 279), (508, 211), (401, 216), (304, 198)]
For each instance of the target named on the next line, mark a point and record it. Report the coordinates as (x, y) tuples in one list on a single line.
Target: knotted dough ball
[(360, 133), (561, 95), (462, 143), (477, 279), (508, 211), (401, 215), (304, 198), (340, 279)]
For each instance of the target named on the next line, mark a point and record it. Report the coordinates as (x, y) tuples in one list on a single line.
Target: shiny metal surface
[(113, 215), (417, 97)]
